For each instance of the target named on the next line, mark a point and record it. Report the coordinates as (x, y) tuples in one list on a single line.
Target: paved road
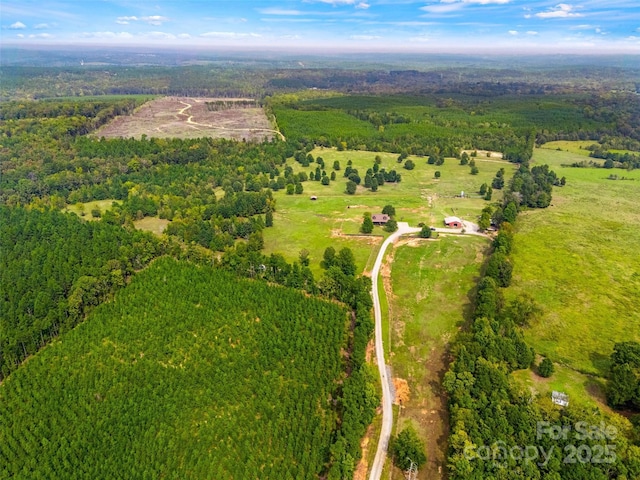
[(387, 412)]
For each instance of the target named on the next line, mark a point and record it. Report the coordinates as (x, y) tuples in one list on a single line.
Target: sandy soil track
[(190, 117)]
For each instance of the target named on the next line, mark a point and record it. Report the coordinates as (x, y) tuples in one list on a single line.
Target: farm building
[(560, 398), (380, 218), (313, 197), (453, 222)]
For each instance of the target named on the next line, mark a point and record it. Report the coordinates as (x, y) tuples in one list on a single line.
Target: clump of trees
[(406, 449), (546, 368), (367, 223), (623, 388)]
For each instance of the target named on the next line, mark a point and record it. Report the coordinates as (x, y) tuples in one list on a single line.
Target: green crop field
[(301, 223), (188, 373), (432, 289), (579, 260)]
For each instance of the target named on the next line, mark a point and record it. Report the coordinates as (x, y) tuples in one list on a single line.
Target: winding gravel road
[(387, 411)]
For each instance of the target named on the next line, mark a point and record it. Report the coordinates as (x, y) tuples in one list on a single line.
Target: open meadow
[(188, 117), (430, 289), (334, 219), (579, 260)]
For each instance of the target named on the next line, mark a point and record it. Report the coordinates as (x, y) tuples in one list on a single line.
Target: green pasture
[(433, 283), (84, 209), (334, 219), (578, 147), (579, 260), (583, 390)]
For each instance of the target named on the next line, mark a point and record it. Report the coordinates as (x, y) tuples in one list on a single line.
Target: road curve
[(387, 409)]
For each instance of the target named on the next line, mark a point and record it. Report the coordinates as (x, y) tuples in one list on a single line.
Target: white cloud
[(229, 35), (443, 8), (17, 26), (363, 5), (41, 35), (126, 20), (160, 35), (279, 11), (154, 19), (582, 27), (447, 6), (364, 37), (20, 35), (532, 32), (513, 32), (42, 26), (184, 35), (562, 10), (109, 35)]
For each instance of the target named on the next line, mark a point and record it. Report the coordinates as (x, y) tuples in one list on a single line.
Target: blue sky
[(586, 26)]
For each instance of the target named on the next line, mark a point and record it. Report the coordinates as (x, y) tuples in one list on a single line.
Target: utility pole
[(412, 473)]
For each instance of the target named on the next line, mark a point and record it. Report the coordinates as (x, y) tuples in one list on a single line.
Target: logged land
[(188, 373), (578, 260), (187, 117)]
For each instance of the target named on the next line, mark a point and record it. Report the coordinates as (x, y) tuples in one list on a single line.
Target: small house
[(380, 218), (453, 222), (560, 398), (313, 197)]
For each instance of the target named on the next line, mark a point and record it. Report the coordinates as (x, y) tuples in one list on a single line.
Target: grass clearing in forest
[(152, 224), (578, 147), (583, 390), (84, 210), (433, 283), (334, 219), (578, 259)]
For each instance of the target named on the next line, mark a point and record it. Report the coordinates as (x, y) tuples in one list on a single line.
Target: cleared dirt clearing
[(189, 117)]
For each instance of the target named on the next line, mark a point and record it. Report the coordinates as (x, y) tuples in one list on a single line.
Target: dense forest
[(188, 373), (53, 269), (444, 124)]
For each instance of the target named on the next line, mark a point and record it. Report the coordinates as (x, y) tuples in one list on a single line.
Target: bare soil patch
[(152, 224), (189, 117)]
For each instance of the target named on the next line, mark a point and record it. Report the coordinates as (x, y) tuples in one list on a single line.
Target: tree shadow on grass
[(601, 363)]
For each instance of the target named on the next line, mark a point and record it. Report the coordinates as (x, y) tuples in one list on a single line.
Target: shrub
[(546, 368)]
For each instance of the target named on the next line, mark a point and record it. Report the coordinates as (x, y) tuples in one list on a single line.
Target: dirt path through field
[(197, 124)]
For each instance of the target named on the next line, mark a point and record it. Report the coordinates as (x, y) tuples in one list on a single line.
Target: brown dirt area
[(189, 117), (402, 391)]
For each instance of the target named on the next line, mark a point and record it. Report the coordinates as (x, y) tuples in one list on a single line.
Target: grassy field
[(578, 147), (331, 219), (152, 224), (432, 284), (583, 390), (579, 260), (84, 209)]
